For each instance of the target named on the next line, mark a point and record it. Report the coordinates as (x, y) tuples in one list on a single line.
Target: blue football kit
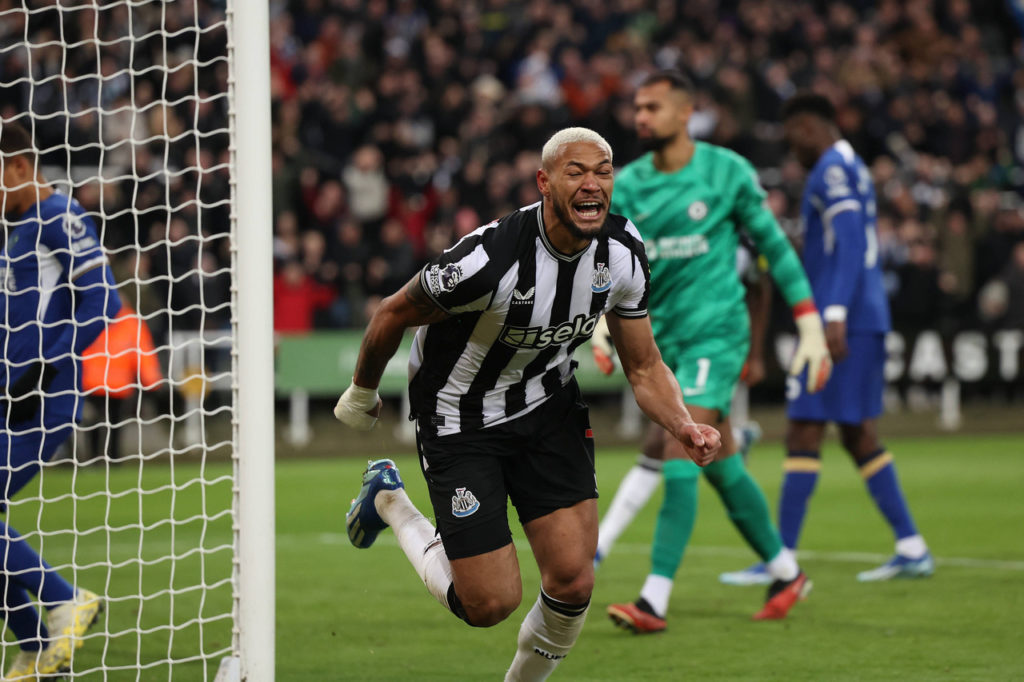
[(841, 258), (56, 295), (840, 255)]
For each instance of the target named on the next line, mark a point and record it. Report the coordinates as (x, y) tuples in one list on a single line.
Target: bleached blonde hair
[(553, 147)]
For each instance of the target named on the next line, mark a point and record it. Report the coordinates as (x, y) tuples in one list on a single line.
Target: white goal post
[(254, 431), (151, 120)]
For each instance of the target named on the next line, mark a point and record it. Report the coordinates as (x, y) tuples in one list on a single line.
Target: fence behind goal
[(134, 110)]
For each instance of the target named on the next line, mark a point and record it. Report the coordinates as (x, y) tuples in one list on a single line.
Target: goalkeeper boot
[(362, 520), (782, 595), (900, 567), (639, 618), (754, 575), (24, 666), (31, 665), (67, 623)]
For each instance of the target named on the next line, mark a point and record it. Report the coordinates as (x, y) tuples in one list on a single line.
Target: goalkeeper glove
[(811, 350), (358, 407), (601, 346)]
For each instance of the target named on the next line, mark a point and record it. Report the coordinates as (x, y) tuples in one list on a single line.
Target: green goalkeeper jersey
[(690, 221)]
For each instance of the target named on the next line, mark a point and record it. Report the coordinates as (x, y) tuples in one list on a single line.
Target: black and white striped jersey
[(519, 310)]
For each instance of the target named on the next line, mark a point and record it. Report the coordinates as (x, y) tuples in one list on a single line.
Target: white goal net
[(129, 107)]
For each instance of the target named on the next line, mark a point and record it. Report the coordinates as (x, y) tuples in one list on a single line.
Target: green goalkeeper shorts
[(708, 370)]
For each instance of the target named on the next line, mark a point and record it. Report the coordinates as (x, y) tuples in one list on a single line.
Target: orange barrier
[(122, 358)]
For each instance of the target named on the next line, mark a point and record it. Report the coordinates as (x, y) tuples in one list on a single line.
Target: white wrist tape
[(834, 313), (353, 406)]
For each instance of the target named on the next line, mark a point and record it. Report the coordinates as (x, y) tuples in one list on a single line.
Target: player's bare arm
[(359, 406), (418, 299), (410, 307), (835, 337), (656, 389)]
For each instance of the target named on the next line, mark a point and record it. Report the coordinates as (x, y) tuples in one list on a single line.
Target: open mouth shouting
[(588, 210)]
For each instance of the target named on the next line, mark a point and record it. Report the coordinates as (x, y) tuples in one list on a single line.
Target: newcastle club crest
[(602, 280)]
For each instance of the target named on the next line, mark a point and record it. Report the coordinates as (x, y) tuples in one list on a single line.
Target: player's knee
[(861, 444), (490, 610), (724, 473), (571, 588), (489, 604), (796, 440), (804, 436)]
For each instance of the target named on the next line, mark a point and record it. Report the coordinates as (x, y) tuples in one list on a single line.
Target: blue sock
[(21, 616), (801, 467), (24, 566), (879, 472)]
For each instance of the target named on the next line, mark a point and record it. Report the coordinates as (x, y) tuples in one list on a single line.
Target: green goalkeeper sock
[(747, 507), (675, 518)]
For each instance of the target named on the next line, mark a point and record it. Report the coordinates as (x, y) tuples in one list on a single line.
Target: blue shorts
[(22, 455), (854, 392)]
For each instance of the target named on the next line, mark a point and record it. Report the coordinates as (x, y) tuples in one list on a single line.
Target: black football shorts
[(542, 461)]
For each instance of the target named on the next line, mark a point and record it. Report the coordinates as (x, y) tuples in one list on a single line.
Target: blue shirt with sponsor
[(56, 295), (840, 254)]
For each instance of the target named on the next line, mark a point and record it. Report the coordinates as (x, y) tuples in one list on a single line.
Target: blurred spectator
[(297, 297), (328, 206), (1013, 277), (393, 263), (350, 252), (367, 186), (286, 237), (920, 302), (1001, 301), (1001, 230), (956, 258), (321, 269)]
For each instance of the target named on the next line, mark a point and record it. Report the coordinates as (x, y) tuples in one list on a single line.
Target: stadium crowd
[(399, 126), (137, 121)]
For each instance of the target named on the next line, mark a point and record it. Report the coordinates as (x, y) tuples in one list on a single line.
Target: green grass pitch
[(348, 614), (364, 615)]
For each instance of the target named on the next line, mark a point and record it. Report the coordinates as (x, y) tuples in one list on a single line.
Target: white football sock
[(783, 565), (418, 539), (912, 547), (635, 490), (656, 591), (545, 638)]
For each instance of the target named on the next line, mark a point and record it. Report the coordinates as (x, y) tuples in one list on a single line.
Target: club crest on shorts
[(464, 503), (602, 280)]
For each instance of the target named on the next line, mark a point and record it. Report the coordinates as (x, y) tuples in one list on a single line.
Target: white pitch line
[(835, 557), (708, 550)]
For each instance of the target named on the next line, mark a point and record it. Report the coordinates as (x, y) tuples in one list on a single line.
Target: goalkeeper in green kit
[(690, 200)]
